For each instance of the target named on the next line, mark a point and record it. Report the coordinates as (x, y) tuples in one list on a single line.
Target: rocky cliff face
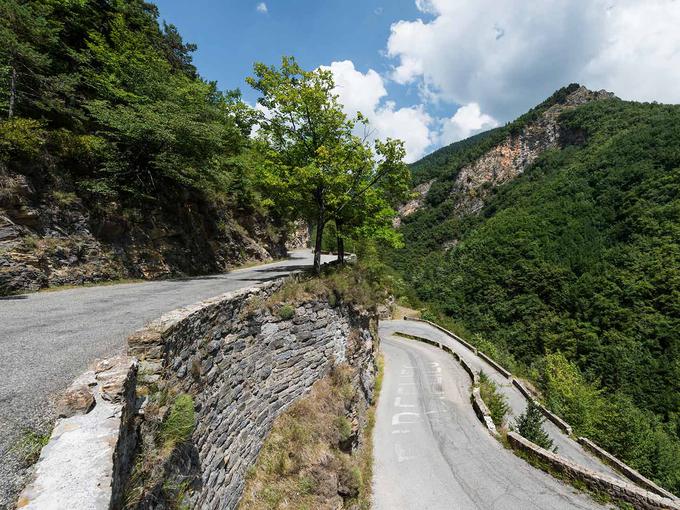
[(49, 235), (416, 202), (512, 156)]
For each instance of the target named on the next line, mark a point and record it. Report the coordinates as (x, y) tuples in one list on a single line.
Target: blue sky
[(232, 35), (431, 72)]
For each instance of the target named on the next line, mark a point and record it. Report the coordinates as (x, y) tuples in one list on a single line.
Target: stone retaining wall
[(640, 498), (630, 473), (243, 365)]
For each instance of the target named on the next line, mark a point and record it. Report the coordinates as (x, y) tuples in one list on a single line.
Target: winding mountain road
[(566, 446), (431, 451), (49, 338)]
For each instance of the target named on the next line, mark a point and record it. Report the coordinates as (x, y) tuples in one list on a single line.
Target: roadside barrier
[(639, 497), (625, 469), (483, 414), (467, 344)]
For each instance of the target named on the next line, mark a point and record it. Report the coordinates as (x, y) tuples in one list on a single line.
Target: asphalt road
[(49, 338), (566, 446), (431, 452)]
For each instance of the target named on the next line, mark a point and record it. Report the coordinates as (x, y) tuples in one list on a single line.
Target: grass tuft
[(178, 426), (286, 312), (30, 445)]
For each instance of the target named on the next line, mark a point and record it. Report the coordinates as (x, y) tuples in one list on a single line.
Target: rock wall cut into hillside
[(51, 236)]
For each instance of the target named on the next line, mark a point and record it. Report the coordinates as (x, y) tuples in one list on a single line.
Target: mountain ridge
[(566, 267)]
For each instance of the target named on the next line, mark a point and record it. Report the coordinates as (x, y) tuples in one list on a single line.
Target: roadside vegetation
[(368, 282), (30, 445), (529, 425), (494, 400), (104, 111), (313, 457), (171, 420)]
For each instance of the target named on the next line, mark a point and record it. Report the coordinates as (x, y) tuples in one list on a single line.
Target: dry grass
[(349, 284), (399, 312), (302, 464)]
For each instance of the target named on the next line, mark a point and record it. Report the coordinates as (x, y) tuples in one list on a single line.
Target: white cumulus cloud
[(467, 121), (262, 8), (507, 56), (366, 93)]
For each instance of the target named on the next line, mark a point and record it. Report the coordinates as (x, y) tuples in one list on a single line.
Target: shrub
[(65, 198), (530, 426), (495, 401), (286, 312), (344, 428), (21, 137), (569, 394)]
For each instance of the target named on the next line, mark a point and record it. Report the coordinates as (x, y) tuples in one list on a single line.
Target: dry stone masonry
[(242, 364), (640, 498)]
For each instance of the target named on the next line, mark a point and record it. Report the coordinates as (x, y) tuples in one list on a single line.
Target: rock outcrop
[(416, 202), (511, 157), (50, 236)]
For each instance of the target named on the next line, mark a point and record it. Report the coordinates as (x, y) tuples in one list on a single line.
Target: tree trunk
[(341, 242), (320, 224), (317, 244), (12, 92)]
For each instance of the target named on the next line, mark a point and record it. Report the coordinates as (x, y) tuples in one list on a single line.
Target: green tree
[(26, 30), (529, 425), (314, 159)]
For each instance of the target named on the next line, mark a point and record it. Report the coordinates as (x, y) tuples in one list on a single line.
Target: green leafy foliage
[(579, 256), (613, 421), (20, 138), (318, 169), (113, 97), (495, 401)]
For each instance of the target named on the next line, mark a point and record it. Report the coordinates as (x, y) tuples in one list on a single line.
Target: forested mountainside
[(555, 243), (116, 158)]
